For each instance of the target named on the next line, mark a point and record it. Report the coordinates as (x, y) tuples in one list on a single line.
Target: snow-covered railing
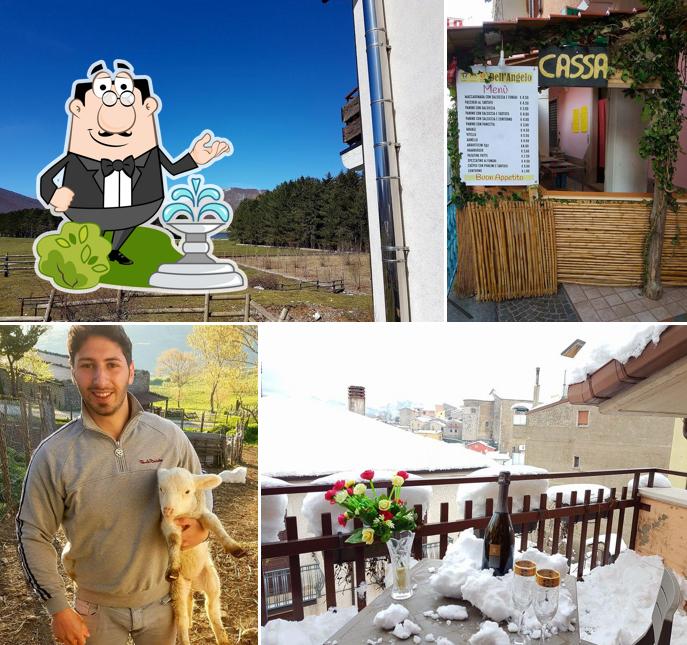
[(564, 520)]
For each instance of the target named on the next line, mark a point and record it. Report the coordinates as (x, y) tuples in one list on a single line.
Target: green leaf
[(92, 260), (356, 537), (83, 234), (85, 251), (60, 241), (100, 268), (72, 238)]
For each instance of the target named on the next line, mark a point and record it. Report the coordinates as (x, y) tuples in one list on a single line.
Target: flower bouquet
[(385, 517)]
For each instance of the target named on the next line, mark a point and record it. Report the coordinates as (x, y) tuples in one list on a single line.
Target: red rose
[(387, 515), (402, 473), (339, 485), (342, 519), (350, 490), (367, 475), (329, 495)]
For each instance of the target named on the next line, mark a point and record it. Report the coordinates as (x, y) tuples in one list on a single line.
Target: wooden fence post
[(7, 265), (26, 427), (4, 463), (246, 308), (48, 308), (202, 420), (206, 307)]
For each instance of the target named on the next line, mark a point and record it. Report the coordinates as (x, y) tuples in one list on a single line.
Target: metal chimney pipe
[(394, 267)]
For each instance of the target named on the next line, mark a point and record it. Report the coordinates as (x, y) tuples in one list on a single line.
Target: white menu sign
[(498, 123)]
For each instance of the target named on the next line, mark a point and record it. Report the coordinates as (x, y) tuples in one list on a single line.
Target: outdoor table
[(358, 630), (559, 169)]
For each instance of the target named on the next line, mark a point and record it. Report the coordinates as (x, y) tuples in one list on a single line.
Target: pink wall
[(572, 143)]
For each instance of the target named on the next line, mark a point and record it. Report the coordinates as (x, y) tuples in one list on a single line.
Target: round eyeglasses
[(110, 98)]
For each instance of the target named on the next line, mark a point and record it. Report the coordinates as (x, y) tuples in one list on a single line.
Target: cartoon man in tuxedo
[(112, 168)]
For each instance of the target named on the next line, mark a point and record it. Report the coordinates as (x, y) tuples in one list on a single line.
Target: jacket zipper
[(119, 454)]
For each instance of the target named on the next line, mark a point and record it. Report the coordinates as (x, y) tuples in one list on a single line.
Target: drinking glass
[(523, 592), (545, 601)]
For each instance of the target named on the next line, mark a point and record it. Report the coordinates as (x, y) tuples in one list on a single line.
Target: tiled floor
[(607, 304)]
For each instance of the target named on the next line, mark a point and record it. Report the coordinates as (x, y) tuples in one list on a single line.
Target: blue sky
[(148, 340), (270, 76)]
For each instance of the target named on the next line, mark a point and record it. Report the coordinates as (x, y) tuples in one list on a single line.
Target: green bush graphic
[(75, 257)]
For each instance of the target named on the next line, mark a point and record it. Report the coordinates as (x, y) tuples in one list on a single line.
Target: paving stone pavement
[(556, 308), (606, 304)]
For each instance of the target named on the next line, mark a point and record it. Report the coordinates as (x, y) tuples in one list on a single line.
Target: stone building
[(493, 420), (565, 437)]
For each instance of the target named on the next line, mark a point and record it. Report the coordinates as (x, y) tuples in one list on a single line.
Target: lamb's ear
[(203, 482)]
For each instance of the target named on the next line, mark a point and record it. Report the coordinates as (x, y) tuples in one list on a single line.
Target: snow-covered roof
[(304, 437), (625, 343), (523, 404)]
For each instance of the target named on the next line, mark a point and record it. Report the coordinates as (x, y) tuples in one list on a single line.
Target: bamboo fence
[(513, 249), (602, 242)]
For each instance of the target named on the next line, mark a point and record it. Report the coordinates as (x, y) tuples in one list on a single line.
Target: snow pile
[(463, 559), (272, 509), (452, 612), (660, 481), (316, 438), (479, 493), (489, 634), (406, 629), (580, 489), (314, 504), (616, 601), (622, 348), (461, 576), (312, 630), (391, 616)]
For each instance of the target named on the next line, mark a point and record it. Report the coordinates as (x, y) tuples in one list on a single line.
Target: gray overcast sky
[(426, 363)]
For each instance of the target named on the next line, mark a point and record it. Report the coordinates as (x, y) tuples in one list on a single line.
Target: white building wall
[(414, 28)]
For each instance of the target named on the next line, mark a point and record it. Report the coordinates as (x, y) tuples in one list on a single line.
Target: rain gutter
[(393, 248), (615, 377)]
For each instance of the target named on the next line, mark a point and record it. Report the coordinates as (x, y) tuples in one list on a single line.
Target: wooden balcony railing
[(564, 520), (350, 114)]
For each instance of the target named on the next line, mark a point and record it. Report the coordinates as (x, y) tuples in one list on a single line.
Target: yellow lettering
[(601, 66), (576, 62), (542, 62), (589, 63), (563, 66)]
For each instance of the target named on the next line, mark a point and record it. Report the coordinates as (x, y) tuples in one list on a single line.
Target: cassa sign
[(573, 66)]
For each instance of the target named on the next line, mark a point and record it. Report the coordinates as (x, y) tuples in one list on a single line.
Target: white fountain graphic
[(197, 213)]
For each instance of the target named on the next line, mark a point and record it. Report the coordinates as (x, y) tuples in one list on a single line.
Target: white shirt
[(117, 190)]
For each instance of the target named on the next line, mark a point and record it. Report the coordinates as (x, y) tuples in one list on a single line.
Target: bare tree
[(179, 367)]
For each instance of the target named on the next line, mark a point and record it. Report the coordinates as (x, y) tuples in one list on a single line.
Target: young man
[(96, 478)]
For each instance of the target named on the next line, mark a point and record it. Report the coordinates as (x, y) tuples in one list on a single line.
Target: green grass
[(304, 303), (196, 397), (138, 248)]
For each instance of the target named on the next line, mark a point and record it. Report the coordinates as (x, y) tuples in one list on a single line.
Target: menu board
[(498, 126)]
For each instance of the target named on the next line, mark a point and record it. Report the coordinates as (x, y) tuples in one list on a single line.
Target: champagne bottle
[(499, 536)]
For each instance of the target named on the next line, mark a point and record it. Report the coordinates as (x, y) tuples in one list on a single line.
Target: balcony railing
[(554, 528)]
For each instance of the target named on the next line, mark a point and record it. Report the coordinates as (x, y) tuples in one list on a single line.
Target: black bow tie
[(127, 165)]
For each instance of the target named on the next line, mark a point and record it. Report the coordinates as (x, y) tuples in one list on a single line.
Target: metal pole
[(396, 296)]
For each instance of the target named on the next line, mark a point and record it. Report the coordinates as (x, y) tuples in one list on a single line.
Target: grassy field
[(304, 304)]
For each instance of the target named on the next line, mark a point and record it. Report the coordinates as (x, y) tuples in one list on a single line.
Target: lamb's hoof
[(237, 551), (171, 575)]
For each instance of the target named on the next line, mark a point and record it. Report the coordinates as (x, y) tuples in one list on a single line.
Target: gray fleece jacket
[(103, 493)]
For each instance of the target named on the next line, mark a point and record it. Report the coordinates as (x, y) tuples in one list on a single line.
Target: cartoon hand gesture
[(204, 151)]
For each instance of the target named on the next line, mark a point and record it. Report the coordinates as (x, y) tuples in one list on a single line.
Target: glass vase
[(400, 545)]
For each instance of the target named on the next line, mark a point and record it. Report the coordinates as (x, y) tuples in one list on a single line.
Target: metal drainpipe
[(394, 250)]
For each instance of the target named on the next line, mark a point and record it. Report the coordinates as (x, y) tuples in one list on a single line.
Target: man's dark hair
[(141, 84), (79, 334)]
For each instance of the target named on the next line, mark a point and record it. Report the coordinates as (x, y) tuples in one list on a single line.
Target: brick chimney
[(535, 396), (356, 399)]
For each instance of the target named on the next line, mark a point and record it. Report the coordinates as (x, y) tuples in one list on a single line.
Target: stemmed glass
[(523, 592), (545, 600)]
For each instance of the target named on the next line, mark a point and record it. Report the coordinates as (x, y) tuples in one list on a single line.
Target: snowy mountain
[(234, 196)]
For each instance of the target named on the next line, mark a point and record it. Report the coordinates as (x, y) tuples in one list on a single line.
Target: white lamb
[(182, 494)]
